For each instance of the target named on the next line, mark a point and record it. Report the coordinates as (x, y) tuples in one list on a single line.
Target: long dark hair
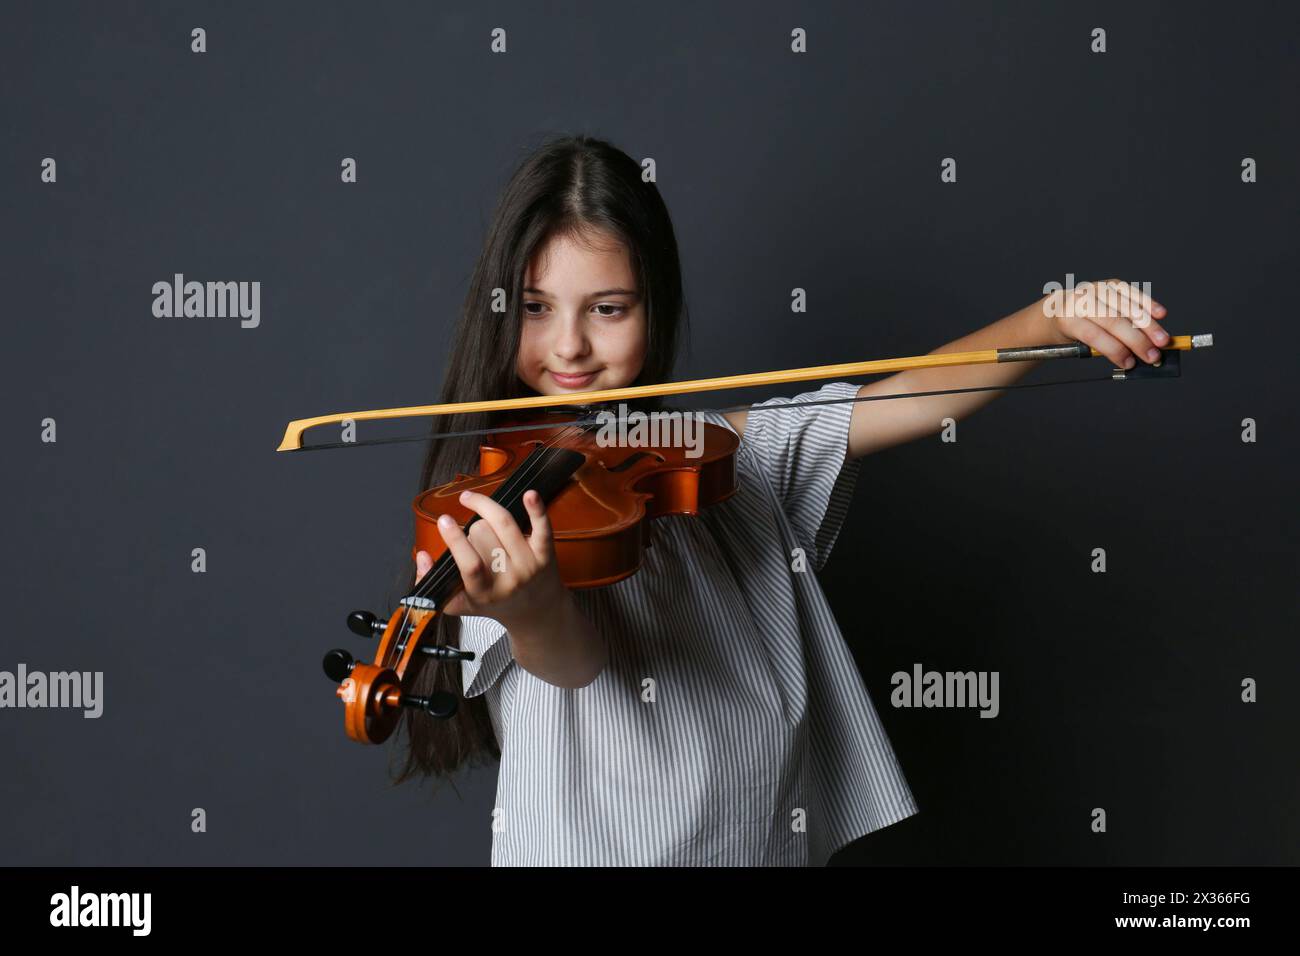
[(569, 186)]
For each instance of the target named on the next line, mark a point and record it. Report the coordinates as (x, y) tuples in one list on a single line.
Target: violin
[(600, 498)]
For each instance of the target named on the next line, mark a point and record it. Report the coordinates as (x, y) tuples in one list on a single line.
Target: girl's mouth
[(573, 381)]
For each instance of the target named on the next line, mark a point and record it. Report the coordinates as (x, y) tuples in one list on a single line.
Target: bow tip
[(292, 441)]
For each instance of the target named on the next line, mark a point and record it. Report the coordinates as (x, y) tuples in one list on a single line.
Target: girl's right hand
[(526, 588)]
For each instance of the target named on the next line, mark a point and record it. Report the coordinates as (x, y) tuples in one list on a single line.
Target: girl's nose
[(571, 340)]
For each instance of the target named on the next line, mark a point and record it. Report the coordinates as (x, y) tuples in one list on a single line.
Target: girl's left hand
[(521, 588), (1114, 317)]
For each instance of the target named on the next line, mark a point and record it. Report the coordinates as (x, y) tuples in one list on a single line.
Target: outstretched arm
[(1126, 333)]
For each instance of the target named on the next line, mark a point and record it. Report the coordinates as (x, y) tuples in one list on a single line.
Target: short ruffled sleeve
[(491, 646), (803, 451)]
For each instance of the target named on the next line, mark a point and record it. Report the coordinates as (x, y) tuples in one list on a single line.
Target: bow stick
[(1169, 367)]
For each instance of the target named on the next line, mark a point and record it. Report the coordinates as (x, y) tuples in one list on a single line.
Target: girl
[(705, 710)]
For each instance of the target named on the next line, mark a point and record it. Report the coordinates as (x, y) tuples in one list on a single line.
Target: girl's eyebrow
[(594, 295)]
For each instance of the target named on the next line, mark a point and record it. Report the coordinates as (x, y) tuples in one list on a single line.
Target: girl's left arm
[(1127, 334)]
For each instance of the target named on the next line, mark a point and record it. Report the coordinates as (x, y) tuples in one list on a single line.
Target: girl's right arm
[(549, 635)]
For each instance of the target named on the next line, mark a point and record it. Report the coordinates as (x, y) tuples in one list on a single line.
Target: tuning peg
[(438, 704), (338, 665), (365, 624)]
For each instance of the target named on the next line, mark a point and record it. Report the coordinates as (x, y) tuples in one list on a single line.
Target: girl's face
[(584, 323)]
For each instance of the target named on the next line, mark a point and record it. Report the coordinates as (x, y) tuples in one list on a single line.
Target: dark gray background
[(821, 171)]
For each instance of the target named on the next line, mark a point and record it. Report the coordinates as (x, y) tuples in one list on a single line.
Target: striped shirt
[(731, 726)]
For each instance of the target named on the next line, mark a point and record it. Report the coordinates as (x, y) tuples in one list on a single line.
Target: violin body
[(600, 498), (599, 518)]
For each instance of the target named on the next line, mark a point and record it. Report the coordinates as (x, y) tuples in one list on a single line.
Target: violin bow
[(375, 693), (1168, 367)]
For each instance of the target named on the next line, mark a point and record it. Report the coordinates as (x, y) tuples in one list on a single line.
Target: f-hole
[(632, 459)]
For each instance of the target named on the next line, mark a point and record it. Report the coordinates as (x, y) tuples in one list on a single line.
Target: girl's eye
[(618, 310)]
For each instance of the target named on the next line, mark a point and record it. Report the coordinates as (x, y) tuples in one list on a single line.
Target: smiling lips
[(573, 381)]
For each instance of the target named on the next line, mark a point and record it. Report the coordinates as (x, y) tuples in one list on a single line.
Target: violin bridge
[(423, 603)]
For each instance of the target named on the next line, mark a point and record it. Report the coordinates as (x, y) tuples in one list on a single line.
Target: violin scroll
[(373, 694)]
